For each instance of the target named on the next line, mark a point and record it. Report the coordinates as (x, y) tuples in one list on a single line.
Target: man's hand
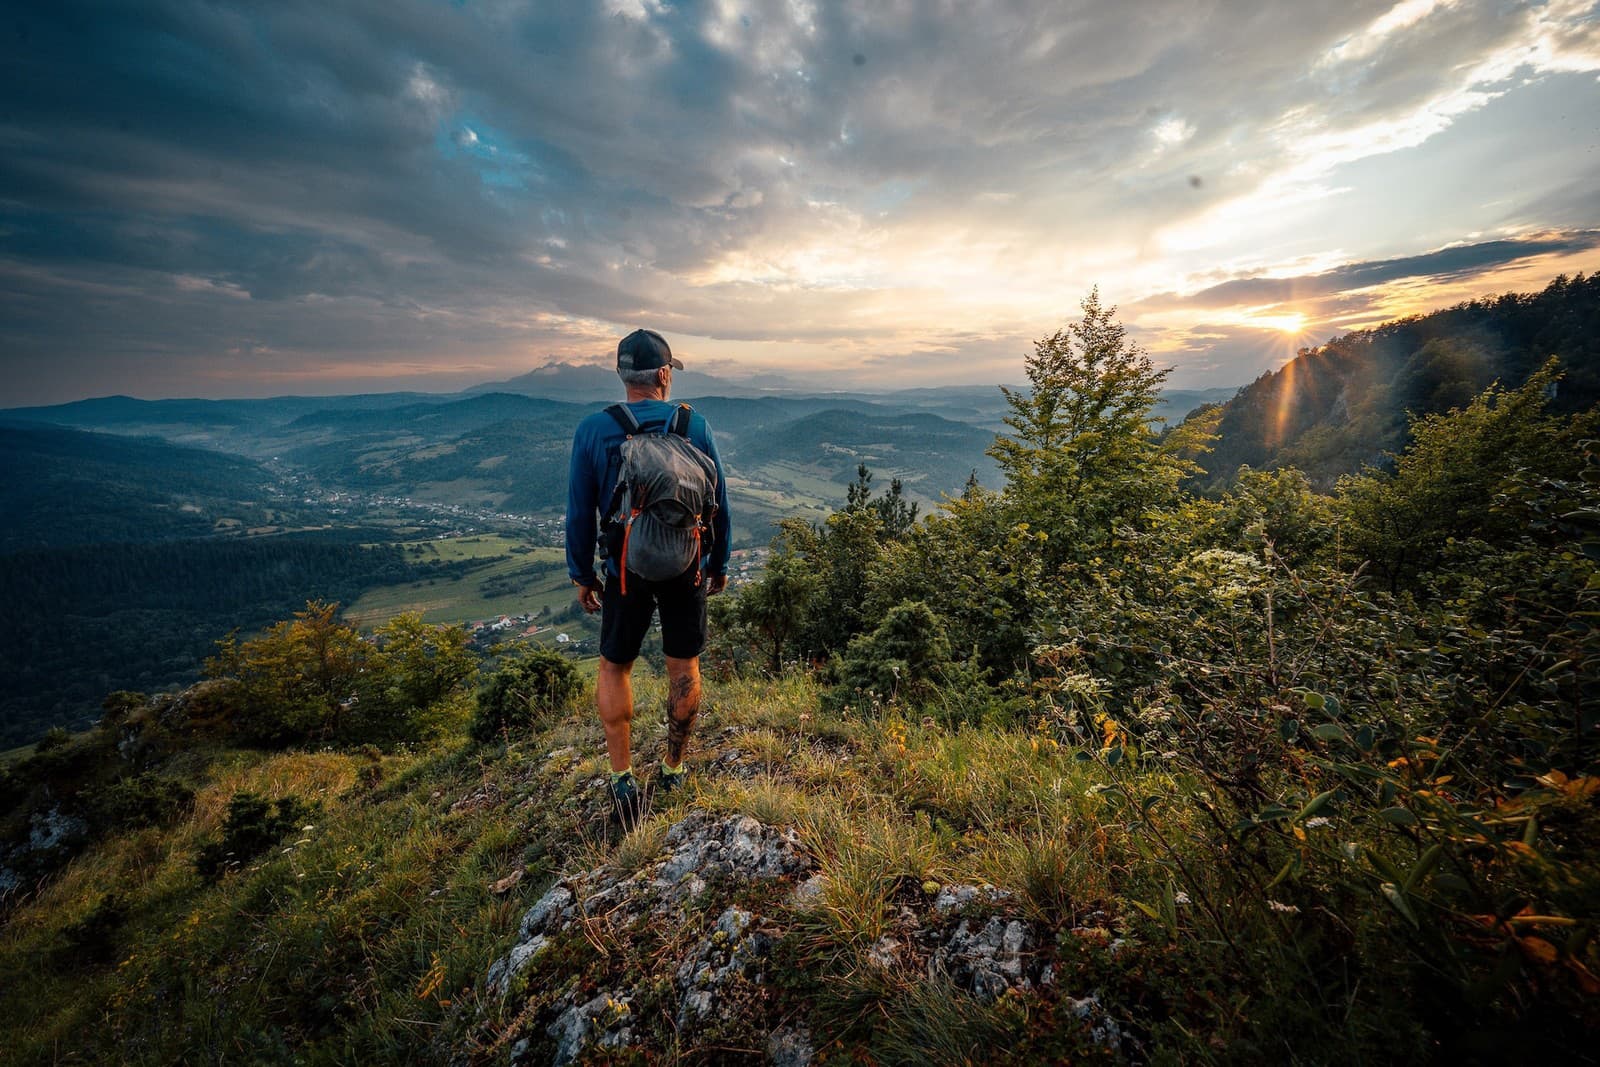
[(716, 583), (589, 598)]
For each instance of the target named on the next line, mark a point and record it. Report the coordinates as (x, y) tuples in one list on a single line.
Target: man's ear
[(664, 376)]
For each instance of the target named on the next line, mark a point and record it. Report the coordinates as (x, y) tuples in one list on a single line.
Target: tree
[(297, 680), (978, 573), (772, 611), (1278, 507), (1084, 454), (418, 665), (1444, 483), (895, 516), (411, 668)]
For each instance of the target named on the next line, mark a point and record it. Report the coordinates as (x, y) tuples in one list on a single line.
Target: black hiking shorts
[(624, 620)]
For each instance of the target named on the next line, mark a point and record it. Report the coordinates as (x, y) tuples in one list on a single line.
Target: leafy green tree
[(417, 665), (1439, 493), (298, 680), (977, 572), (842, 557), (1277, 507), (771, 612)]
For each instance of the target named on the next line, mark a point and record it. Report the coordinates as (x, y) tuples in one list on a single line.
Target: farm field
[(464, 598), (811, 480)]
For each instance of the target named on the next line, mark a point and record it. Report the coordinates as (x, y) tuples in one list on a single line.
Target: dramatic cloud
[(199, 196)]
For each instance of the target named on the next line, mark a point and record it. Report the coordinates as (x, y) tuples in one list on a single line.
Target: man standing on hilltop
[(649, 472)]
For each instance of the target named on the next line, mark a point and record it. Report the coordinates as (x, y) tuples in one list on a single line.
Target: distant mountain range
[(979, 404), (590, 381), (1329, 411), (504, 444)]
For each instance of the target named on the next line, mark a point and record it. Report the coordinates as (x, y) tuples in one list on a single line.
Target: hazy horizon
[(790, 387)]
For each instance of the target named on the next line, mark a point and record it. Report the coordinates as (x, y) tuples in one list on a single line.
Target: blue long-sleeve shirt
[(592, 478)]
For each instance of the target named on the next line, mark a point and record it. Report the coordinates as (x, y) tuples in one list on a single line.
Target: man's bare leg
[(614, 693), (683, 704)]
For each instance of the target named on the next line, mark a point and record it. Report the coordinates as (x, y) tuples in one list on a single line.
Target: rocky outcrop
[(54, 837), (731, 953), (710, 909)]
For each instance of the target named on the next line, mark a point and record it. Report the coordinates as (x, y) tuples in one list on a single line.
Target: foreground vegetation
[(1270, 776), (366, 932)]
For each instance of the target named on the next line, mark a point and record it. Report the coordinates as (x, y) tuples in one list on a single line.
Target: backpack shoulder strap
[(679, 423), (625, 418)]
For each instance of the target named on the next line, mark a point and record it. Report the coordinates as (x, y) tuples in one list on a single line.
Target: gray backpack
[(665, 499)]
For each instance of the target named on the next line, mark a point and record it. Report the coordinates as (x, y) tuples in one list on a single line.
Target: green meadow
[(507, 564)]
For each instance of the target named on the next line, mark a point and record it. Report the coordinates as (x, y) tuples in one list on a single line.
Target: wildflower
[(1318, 822), (1181, 897), (1286, 909)]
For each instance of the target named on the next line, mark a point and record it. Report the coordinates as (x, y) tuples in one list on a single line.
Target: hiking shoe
[(627, 802), (668, 782)]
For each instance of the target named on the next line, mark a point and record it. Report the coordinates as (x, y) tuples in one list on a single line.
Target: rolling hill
[(67, 487), (1339, 406)]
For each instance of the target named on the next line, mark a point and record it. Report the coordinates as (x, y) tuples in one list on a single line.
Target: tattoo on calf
[(678, 730)]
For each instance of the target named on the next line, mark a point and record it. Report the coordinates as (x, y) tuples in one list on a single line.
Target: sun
[(1293, 322)]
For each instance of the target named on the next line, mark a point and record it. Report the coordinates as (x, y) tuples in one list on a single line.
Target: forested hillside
[(70, 487), (81, 622), (1342, 405), (931, 455)]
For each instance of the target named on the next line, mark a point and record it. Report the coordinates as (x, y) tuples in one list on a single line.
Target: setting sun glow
[(1293, 322)]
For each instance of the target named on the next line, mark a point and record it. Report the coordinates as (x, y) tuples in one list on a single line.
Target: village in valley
[(565, 628)]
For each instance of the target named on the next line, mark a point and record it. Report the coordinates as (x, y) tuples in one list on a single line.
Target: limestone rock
[(791, 1047), (604, 1021), (987, 959), (732, 953)]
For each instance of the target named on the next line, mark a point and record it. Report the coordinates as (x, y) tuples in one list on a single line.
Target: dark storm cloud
[(1446, 263)]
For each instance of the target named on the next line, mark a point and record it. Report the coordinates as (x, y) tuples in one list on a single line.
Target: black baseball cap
[(645, 350)]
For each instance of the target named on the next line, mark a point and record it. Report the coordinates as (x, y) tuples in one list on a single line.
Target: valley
[(451, 505), (447, 506)]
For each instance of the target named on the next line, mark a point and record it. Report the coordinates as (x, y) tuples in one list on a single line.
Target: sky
[(219, 198)]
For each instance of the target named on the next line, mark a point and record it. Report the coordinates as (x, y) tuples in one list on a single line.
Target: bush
[(134, 803), (900, 661), (963, 696), (254, 825), (526, 690), (120, 705), (93, 938), (53, 738)]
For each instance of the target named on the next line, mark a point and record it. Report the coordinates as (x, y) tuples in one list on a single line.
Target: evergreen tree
[(1084, 453)]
